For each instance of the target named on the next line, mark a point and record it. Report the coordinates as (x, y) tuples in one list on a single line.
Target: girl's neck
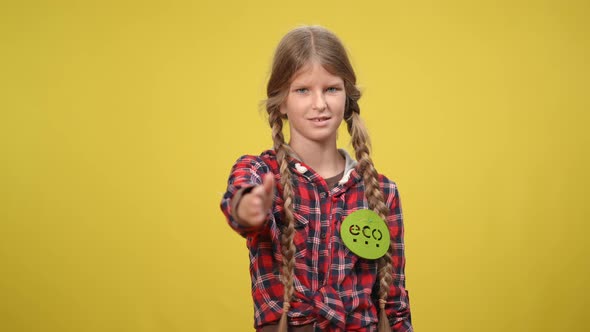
[(323, 158)]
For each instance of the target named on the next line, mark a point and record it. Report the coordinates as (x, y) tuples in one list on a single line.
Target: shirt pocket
[(300, 239)]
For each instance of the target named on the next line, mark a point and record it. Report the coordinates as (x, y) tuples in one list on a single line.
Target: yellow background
[(120, 120)]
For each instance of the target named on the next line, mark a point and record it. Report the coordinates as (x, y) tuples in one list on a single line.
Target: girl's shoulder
[(388, 186), (385, 180)]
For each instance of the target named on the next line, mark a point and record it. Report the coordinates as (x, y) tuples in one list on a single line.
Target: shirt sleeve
[(246, 172), (398, 302)]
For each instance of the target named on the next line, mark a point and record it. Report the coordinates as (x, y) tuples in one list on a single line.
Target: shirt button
[(323, 195), (323, 236)]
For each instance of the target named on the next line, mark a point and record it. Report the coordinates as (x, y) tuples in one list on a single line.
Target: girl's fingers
[(266, 190), (252, 208), (256, 204)]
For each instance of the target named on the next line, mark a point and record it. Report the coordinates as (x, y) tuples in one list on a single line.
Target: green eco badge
[(365, 234)]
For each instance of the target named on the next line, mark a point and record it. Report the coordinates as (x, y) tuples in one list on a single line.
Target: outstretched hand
[(253, 207)]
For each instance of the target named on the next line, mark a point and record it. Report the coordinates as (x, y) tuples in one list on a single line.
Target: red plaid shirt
[(334, 288)]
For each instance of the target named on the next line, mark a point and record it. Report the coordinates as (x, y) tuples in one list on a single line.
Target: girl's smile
[(320, 120)]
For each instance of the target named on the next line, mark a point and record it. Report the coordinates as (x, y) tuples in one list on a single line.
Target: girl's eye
[(301, 90), (332, 89)]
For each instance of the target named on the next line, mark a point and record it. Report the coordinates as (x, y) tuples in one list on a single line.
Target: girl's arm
[(248, 199)]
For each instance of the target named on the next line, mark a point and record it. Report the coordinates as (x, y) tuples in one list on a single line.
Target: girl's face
[(314, 105)]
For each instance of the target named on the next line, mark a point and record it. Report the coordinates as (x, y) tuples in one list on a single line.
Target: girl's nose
[(319, 102)]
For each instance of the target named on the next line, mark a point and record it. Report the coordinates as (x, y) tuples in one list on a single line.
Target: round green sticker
[(365, 234)]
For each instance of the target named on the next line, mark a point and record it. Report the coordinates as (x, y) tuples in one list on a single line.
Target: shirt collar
[(349, 165)]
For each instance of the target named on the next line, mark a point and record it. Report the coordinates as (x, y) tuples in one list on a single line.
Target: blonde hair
[(297, 48)]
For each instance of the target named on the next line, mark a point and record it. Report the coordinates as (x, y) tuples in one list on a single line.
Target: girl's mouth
[(320, 119)]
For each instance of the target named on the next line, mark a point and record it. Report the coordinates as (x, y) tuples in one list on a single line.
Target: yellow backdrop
[(120, 120)]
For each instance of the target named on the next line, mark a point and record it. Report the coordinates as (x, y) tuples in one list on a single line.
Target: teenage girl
[(316, 266)]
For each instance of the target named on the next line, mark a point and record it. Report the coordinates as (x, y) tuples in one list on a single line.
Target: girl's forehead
[(313, 71)]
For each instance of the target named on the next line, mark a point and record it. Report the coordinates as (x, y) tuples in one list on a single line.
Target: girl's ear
[(283, 109)]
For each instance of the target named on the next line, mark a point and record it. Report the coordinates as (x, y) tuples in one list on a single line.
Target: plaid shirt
[(334, 288)]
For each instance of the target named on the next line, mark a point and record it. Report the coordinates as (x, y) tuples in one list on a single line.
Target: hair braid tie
[(283, 321)]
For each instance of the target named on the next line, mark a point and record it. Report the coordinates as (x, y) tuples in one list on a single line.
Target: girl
[(324, 231)]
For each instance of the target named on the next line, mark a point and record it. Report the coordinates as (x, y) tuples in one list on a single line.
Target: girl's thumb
[(268, 183)]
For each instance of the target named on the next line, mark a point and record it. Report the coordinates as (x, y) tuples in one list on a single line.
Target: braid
[(287, 246), (361, 144)]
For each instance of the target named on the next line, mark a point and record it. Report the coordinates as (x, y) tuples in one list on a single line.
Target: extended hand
[(253, 207)]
